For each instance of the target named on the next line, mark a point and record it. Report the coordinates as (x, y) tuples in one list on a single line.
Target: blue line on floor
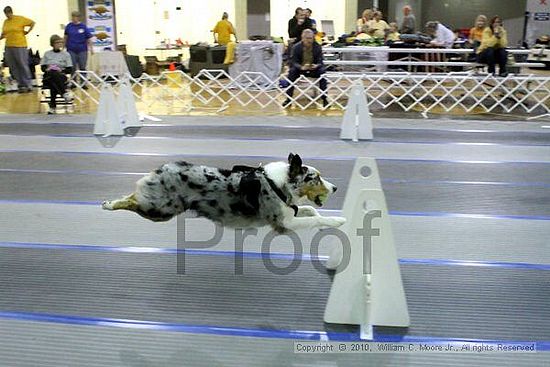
[(236, 156), (474, 263), (322, 211), (474, 216), (335, 138), (259, 255), (74, 172), (183, 328), (158, 250), (278, 127), (389, 180), (541, 345)]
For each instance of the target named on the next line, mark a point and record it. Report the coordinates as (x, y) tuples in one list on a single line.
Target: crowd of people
[(489, 40), (56, 63)]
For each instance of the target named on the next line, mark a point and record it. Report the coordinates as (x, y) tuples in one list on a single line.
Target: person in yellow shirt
[(377, 27), (393, 33), (362, 23), (492, 49), (14, 30), (223, 31), (476, 32)]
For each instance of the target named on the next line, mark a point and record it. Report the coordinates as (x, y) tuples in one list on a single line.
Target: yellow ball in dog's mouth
[(323, 198)]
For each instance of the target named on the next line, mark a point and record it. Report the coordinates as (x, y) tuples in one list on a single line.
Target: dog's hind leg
[(128, 202)]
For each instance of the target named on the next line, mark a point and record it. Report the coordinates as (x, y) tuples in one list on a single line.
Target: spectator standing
[(408, 25), (297, 24), (223, 31), (306, 58), (492, 49), (14, 30), (78, 40), (313, 22)]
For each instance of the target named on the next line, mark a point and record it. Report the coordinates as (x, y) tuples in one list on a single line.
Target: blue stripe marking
[(182, 328), (466, 215), (157, 250), (335, 139), (542, 345), (388, 180), (475, 263), (332, 211), (259, 255), (274, 126), (236, 156)]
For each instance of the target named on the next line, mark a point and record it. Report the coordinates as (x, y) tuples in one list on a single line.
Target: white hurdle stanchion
[(357, 122), (127, 106), (107, 121), (367, 289)]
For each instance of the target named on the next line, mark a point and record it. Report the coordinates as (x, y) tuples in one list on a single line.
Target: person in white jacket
[(442, 36)]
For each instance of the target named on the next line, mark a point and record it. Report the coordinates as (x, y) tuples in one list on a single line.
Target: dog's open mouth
[(318, 201)]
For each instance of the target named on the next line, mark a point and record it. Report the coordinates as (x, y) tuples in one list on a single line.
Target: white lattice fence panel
[(216, 89)]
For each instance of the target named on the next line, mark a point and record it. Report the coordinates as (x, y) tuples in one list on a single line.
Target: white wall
[(283, 10), (48, 22), (137, 25)]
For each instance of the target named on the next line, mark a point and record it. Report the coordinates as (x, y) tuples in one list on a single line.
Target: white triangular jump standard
[(127, 106), (357, 123), (367, 289), (107, 120)]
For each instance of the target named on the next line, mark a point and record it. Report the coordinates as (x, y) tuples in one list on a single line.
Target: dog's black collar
[(279, 192)]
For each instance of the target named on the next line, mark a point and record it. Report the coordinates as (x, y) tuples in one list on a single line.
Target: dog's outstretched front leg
[(296, 223), (307, 211), (126, 203)]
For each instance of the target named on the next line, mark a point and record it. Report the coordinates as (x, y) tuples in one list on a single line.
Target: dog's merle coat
[(240, 197)]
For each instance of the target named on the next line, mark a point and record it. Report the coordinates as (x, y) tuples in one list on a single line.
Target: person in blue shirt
[(78, 40)]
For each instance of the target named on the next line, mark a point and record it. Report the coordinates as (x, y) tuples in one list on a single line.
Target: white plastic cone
[(107, 121), (357, 122)]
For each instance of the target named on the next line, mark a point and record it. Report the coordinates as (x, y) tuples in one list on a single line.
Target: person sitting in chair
[(492, 49), (55, 64), (306, 58)]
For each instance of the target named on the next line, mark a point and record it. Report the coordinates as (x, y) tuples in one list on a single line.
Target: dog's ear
[(290, 156), (295, 165)]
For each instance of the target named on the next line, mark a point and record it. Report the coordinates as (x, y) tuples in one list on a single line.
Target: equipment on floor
[(206, 57), (357, 123), (367, 289), (117, 116)]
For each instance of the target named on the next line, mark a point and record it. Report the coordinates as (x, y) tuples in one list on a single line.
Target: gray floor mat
[(284, 132), (449, 302), (526, 173), (401, 197)]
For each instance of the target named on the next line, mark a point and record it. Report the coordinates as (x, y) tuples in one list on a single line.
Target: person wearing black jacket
[(297, 24), (306, 58)]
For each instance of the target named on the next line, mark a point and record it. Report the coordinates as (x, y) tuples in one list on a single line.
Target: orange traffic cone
[(172, 66)]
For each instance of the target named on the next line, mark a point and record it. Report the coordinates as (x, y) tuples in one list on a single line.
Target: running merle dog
[(242, 197)]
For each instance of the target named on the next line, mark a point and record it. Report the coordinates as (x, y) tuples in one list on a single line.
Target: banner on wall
[(100, 18), (539, 19)]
